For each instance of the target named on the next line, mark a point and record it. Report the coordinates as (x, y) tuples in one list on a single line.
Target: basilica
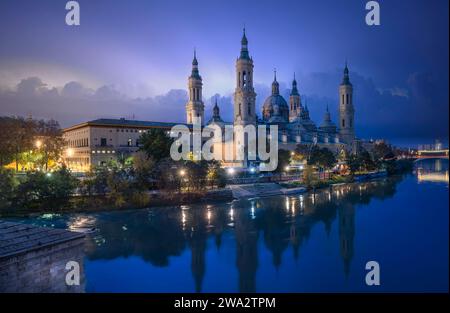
[(100, 141), (292, 118)]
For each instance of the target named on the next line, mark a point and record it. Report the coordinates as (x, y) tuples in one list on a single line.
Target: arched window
[(343, 123), (343, 102), (244, 79), (240, 109), (249, 109), (347, 98)]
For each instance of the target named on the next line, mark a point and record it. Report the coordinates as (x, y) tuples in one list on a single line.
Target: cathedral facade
[(292, 118)]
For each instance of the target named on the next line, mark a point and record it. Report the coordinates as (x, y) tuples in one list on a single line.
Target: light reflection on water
[(291, 243)]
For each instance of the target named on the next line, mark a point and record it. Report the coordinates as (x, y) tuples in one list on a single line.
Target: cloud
[(410, 111)]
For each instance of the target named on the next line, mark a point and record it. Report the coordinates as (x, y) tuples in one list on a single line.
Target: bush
[(8, 185), (39, 188)]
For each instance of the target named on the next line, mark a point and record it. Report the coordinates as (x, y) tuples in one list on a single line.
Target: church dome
[(275, 108), (275, 105)]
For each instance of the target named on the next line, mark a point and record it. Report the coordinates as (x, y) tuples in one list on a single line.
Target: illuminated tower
[(244, 95), (195, 109), (346, 109), (295, 103)]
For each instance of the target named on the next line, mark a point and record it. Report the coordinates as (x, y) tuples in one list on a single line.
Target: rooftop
[(105, 122)]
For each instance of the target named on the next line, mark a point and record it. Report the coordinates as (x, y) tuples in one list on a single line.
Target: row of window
[(78, 143), (346, 99), (103, 152)]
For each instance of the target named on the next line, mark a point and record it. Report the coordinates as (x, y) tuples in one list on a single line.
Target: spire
[(195, 72), (216, 110), (194, 61), (294, 91), (244, 47), (346, 78), (275, 85), (327, 115)]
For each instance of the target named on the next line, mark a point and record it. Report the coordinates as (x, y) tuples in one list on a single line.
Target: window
[(244, 79), (343, 123), (249, 109), (343, 102), (347, 98), (129, 142), (351, 123), (103, 142), (240, 108)]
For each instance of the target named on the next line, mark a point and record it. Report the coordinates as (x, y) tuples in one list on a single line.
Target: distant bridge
[(432, 154)]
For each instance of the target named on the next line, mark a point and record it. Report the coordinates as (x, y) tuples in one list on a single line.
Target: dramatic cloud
[(410, 111)]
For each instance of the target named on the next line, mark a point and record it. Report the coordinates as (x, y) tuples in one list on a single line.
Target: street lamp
[(38, 144), (182, 173), (230, 171), (69, 152)]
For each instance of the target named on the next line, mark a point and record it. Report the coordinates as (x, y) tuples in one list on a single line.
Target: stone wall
[(42, 269)]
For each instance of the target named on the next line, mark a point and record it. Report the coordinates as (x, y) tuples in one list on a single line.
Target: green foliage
[(361, 162), (143, 167), (308, 176), (322, 157), (156, 144), (18, 136), (381, 150), (284, 159), (302, 152), (8, 185), (216, 174), (39, 187)]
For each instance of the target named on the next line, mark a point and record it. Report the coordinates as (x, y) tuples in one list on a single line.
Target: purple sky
[(133, 58)]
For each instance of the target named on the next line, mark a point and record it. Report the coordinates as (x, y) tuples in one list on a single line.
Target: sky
[(132, 58)]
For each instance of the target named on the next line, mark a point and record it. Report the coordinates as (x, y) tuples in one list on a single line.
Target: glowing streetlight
[(69, 152), (38, 144), (252, 170), (182, 173), (286, 168), (230, 171)]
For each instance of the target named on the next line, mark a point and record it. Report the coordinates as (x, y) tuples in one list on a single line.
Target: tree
[(156, 144), (216, 174), (143, 167), (17, 137), (51, 188), (284, 158), (7, 186), (353, 162), (366, 161), (381, 150), (322, 157), (303, 152), (308, 176), (49, 134), (196, 173)]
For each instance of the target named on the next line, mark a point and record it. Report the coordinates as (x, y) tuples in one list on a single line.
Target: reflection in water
[(433, 171), (237, 245), (157, 234)]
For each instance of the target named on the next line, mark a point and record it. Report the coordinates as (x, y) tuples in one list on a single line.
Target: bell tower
[(195, 109), (346, 109), (295, 104), (244, 95)]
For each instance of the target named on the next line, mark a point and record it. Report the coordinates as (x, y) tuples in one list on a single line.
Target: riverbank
[(138, 200)]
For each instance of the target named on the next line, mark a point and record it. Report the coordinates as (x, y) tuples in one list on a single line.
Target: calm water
[(278, 244)]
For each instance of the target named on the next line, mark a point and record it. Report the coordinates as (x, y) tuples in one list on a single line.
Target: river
[(301, 243)]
